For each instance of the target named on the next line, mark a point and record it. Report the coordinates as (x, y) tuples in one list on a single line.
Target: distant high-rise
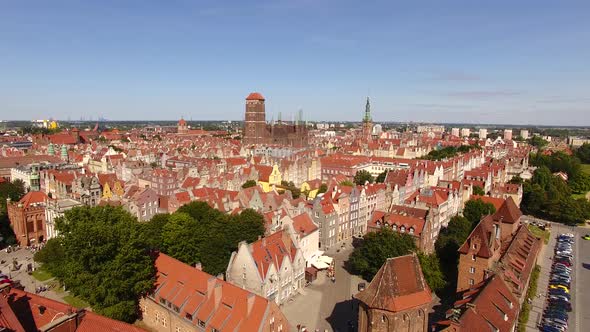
[(455, 132), (483, 133), (524, 134), (507, 134)]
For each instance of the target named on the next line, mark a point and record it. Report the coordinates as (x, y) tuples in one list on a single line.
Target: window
[(201, 323), (177, 329), (472, 270), (188, 316), (164, 322), (472, 257), (471, 282)]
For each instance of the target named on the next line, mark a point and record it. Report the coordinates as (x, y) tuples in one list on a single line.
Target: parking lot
[(579, 319), (326, 305)]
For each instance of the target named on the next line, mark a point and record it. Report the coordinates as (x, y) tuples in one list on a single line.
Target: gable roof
[(220, 304), (399, 285), (272, 249), (508, 212), (33, 197), (34, 311)]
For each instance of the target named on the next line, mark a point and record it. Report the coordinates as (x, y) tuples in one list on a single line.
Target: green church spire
[(367, 117)]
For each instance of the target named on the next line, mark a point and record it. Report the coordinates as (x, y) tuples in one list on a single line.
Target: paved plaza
[(326, 305), (24, 257)]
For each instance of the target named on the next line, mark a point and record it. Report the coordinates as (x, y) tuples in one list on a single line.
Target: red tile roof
[(399, 285), (34, 311), (303, 224), (496, 202), (220, 304), (33, 197), (255, 96), (273, 249)]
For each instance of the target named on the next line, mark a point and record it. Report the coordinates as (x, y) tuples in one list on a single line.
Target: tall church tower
[(367, 123), (255, 122)]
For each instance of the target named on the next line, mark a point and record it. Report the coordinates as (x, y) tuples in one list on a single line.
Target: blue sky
[(521, 62)]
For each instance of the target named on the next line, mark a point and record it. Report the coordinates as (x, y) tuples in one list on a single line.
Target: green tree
[(249, 183), (368, 258), (447, 246), (15, 191), (323, 188), (580, 183), (181, 238), (475, 209), (477, 190), (361, 177), (381, 177), (516, 180), (431, 269), (100, 256), (583, 153), (538, 142), (347, 183), (151, 231)]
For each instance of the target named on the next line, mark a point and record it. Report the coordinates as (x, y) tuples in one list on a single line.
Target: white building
[(507, 134), (524, 134), (455, 132), (272, 267), (483, 133), (465, 132), (55, 209)]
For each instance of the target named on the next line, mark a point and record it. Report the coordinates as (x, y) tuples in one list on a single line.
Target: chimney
[(198, 266), (217, 295), (250, 298), (264, 242), (210, 284)]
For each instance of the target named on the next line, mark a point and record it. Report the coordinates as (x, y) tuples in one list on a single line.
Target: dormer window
[(402, 229), (394, 227), (411, 230)]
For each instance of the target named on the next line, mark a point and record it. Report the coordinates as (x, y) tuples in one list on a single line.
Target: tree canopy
[(475, 209), (447, 245), (376, 247), (249, 184), (583, 153), (449, 152), (15, 191), (381, 177), (538, 142), (361, 177), (477, 190), (549, 196), (101, 256)]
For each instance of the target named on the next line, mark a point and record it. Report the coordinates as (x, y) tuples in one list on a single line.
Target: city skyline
[(457, 62)]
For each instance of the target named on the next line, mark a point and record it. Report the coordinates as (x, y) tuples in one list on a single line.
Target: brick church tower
[(255, 122)]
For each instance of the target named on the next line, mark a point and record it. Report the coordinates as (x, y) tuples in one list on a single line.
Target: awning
[(320, 265), (326, 259)]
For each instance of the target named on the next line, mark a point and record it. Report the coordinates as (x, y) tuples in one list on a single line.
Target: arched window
[(411, 230), (394, 227), (402, 229)]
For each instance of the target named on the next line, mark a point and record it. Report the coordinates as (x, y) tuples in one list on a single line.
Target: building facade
[(27, 218), (258, 132), (397, 299)]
